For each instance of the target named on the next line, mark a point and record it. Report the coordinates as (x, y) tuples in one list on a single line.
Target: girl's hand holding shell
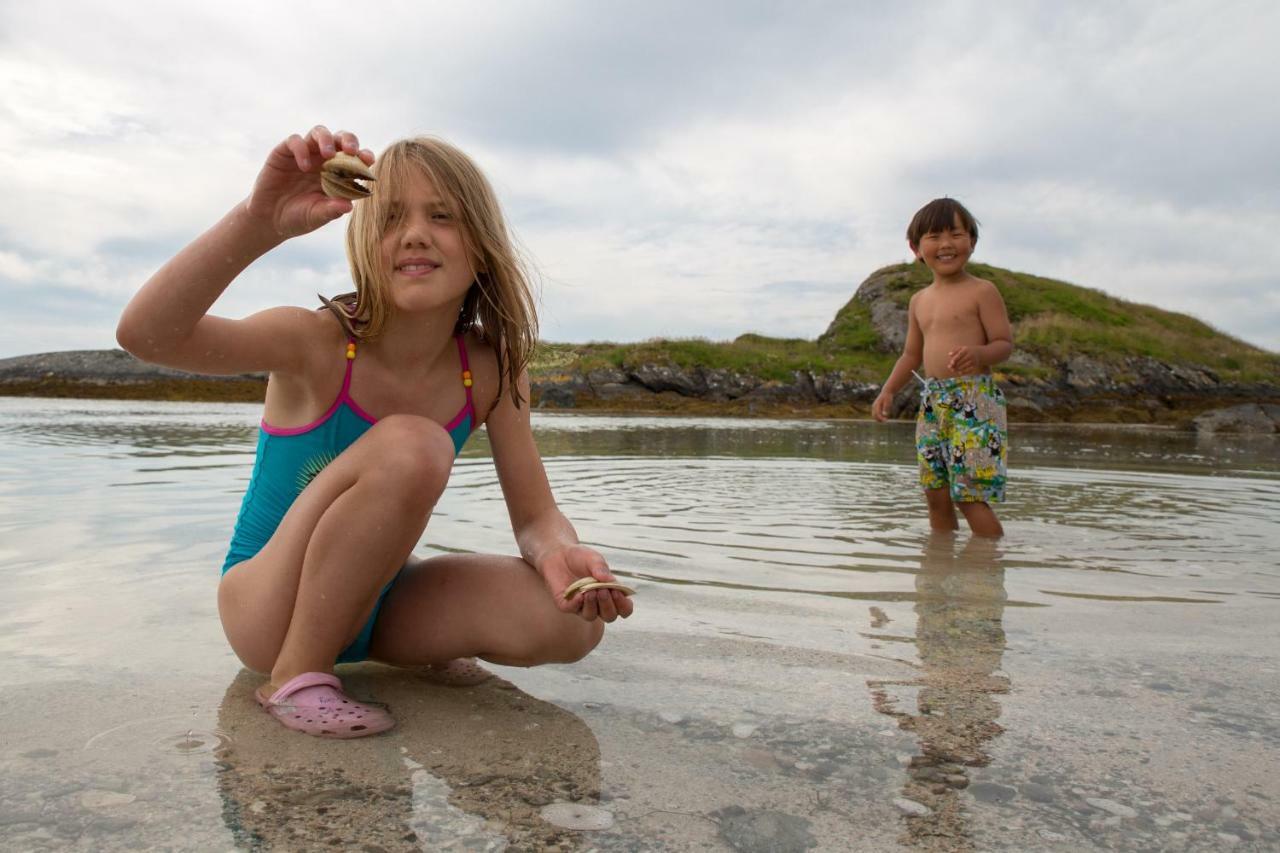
[(308, 181)]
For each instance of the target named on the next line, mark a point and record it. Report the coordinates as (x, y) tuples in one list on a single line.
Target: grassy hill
[(1053, 322)]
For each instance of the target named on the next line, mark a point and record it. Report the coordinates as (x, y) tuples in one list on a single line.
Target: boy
[(958, 327)]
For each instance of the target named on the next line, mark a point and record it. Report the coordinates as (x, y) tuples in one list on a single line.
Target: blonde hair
[(499, 306)]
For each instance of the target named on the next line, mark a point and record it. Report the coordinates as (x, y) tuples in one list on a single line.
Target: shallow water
[(807, 666)]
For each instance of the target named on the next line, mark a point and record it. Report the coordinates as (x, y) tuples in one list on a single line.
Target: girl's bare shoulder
[(488, 379)]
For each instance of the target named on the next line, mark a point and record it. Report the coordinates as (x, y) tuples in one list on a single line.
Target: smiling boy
[(957, 327)]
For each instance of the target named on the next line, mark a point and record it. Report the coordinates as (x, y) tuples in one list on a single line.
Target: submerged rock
[(764, 831), (577, 816), (1111, 806)]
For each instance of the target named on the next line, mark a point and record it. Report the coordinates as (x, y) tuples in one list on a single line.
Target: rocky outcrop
[(711, 385), (117, 374), (95, 367), (888, 314)]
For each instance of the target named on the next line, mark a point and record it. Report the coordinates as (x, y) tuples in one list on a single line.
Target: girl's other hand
[(287, 195), (561, 568)]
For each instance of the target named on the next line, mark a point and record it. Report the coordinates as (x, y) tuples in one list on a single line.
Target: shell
[(587, 584), (340, 174)]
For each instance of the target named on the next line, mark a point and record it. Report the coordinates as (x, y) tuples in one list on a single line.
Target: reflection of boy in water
[(960, 600), (471, 768)]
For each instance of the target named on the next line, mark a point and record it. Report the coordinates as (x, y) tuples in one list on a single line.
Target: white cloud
[(670, 167)]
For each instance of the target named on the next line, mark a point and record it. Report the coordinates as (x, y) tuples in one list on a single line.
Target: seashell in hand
[(340, 177), (588, 583)]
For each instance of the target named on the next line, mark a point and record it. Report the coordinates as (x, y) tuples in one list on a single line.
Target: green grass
[(758, 355)]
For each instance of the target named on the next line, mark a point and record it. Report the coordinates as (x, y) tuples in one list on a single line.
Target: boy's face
[(946, 252)]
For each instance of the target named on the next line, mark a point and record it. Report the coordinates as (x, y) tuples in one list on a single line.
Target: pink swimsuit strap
[(344, 396)]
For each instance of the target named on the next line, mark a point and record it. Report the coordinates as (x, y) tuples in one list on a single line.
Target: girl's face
[(424, 251)]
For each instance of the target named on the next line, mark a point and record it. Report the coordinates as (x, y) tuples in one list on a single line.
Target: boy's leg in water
[(942, 512), (477, 605), (982, 518), (296, 604)]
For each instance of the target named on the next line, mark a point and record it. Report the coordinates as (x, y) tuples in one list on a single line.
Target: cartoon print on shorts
[(962, 439)]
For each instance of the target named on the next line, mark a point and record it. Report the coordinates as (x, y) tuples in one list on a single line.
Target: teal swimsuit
[(288, 459)]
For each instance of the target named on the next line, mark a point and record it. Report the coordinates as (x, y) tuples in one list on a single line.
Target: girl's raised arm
[(167, 321)]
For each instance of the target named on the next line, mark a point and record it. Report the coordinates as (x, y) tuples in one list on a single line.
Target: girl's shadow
[(476, 762)]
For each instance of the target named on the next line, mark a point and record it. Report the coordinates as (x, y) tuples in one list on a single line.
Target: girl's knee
[(581, 641), (410, 452), (565, 642)]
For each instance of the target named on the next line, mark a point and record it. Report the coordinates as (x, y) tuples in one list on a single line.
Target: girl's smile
[(416, 267)]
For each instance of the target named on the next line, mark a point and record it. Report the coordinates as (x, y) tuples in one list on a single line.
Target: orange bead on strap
[(466, 378), (351, 351)]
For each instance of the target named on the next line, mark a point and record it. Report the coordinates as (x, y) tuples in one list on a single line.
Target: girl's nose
[(415, 234)]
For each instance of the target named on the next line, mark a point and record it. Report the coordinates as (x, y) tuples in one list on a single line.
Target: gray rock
[(990, 792), (1086, 374), (606, 376), (1111, 806), (1247, 418), (764, 831), (1036, 792), (911, 807), (840, 388), (557, 397), (724, 384), (95, 366), (621, 390), (659, 378)]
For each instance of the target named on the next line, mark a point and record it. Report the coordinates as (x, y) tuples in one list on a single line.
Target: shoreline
[(1154, 394), (248, 392)]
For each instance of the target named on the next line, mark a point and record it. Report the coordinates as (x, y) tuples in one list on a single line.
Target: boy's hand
[(287, 195), (880, 408), (963, 361)]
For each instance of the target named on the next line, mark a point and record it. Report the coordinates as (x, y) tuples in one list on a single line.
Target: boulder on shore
[(1246, 418)]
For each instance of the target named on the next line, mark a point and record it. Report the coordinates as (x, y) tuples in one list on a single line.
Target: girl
[(369, 400)]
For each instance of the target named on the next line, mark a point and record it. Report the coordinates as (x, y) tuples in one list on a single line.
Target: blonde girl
[(370, 399)]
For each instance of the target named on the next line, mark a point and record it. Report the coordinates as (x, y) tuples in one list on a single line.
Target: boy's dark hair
[(940, 215)]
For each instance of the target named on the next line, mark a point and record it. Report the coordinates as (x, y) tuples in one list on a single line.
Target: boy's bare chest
[(943, 315)]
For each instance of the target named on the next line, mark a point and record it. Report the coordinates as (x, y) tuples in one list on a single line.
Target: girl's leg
[(942, 512), (473, 605), (297, 603), (982, 519)]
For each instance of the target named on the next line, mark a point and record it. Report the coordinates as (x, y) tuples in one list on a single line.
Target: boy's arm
[(995, 326), (912, 356), (995, 323)]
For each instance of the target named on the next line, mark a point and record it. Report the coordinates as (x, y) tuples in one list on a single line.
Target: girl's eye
[(441, 216)]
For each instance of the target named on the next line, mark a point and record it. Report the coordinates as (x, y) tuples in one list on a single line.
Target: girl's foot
[(313, 703), (459, 672)]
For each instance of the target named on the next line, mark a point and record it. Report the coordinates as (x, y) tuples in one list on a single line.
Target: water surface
[(807, 667)]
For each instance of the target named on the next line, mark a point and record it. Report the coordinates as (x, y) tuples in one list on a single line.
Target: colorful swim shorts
[(962, 438)]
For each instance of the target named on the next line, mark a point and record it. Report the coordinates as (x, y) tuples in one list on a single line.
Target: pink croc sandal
[(313, 703)]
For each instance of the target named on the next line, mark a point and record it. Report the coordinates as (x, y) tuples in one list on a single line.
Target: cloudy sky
[(672, 168)]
